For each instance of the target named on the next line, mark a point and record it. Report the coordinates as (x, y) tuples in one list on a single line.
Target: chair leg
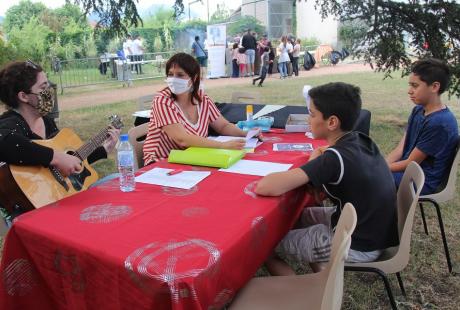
[(384, 278), (443, 234), (422, 212), (401, 285)]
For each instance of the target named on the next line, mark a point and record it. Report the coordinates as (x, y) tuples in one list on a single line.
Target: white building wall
[(310, 24)]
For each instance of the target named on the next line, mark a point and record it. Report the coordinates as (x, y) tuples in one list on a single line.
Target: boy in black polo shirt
[(351, 169)]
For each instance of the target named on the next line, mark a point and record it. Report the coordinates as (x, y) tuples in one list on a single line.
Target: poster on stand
[(216, 43)]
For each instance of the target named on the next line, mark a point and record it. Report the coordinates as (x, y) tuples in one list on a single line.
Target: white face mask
[(178, 86)]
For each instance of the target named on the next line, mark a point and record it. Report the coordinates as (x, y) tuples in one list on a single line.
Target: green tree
[(352, 33), (245, 23), (30, 41), (8, 53), (19, 15), (401, 31)]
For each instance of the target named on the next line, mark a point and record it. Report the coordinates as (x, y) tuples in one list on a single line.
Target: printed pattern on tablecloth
[(165, 262)]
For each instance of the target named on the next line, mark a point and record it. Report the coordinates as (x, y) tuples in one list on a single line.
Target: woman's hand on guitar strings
[(67, 164)]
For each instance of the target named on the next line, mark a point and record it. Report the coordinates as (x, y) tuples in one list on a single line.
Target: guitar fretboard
[(85, 150)]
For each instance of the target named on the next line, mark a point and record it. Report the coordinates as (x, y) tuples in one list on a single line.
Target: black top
[(17, 148), (249, 42), (353, 170)]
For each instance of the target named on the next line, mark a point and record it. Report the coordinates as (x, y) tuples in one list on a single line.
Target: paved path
[(134, 92)]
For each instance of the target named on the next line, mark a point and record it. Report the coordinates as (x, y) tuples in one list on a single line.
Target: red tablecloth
[(154, 248)]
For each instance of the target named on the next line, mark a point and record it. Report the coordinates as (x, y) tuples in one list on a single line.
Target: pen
[(175, 171)]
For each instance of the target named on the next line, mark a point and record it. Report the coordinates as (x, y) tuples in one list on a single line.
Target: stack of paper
[(251, 141), (185, 179), (255, 167)]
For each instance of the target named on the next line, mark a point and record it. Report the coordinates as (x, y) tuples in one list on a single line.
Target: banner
[(216, 43)]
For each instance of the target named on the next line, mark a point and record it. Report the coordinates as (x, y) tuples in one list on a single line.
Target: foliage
[(399, 31), (309, 43), (352, 33), (245, 23), (31, 40), (8, 53), (19, 15), (117, 15), (162, 16)]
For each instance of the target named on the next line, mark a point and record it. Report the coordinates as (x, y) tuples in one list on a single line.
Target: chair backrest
[(145, 102), (247, 97), (332, 297), (134, 135), (407, 199), (448, 192)]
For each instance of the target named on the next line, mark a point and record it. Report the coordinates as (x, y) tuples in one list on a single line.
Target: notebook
[(201, 156)]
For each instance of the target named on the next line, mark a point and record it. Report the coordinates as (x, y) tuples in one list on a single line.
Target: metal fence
[(107, 69)]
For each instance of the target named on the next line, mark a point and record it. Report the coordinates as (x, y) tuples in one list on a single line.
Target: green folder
[(202, 156)]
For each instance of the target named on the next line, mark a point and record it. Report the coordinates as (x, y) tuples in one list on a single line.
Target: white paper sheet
[(250, 143), (268, 109), (144, 113), (255, 167), (305, 147), (185, 179)]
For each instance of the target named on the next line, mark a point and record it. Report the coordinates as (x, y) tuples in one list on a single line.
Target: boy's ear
[(435, 87), (333, 123)]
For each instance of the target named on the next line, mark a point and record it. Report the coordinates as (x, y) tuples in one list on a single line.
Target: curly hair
[(16, 77)]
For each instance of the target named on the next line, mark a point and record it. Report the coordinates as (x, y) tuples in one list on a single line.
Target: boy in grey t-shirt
[(263, 68)]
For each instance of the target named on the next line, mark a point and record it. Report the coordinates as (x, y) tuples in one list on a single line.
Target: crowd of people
[(247, 49), (349, 169)]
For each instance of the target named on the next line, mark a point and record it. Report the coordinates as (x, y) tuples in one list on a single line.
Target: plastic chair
[(136, 137), (144, 102), (363, 123), (446, 194), (246, 96), (322, 290), (395, 259)]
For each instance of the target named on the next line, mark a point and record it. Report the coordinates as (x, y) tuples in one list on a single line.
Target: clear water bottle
[(126, 165)]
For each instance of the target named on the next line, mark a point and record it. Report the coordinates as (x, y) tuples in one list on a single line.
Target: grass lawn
[(427, 282)]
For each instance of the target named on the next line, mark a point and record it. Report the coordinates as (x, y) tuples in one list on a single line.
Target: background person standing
[(200, 55), (249, 44)]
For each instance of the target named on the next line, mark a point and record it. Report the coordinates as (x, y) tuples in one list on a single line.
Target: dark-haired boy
[(432, 130), (350, 169)]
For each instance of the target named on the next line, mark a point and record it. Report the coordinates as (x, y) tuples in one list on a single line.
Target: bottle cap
[(249, 108), (123, 137)]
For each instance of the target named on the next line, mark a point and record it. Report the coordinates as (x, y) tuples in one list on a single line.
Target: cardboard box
[(298, 123)]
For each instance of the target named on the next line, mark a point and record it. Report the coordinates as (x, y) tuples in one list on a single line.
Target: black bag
[(335, 57), (345, 53), (308, 61)]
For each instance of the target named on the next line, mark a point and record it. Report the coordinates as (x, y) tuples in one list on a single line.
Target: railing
[(92, 71)]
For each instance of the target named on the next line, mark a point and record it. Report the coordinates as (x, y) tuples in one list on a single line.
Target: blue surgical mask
[(178, 86)]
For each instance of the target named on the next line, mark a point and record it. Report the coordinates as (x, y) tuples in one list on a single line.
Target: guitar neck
[(86, 149)]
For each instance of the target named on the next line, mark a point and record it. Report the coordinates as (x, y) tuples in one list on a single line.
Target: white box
[(298, 123)]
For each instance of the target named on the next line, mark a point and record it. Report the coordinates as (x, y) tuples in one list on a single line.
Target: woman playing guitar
[(25, 91)]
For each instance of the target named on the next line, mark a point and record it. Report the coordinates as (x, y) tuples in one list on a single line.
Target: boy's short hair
[(432, 70), (266, 49), (339, 99)]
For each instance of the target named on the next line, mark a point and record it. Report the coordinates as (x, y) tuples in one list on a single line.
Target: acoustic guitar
[(24, 188)]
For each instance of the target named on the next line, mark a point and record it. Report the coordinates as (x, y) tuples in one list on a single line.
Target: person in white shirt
[(128, 49), (284, 49), (138, 52)]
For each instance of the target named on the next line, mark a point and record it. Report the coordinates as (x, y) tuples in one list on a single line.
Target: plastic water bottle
[(249, 112), (126, 165)]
